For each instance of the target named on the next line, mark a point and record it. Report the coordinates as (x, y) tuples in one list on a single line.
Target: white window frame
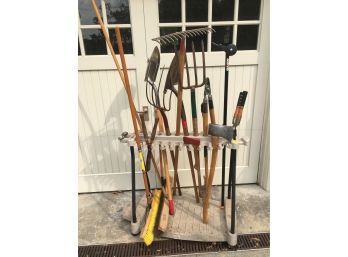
[(103, 62), (210, 23), (144, 24), (215, 58)]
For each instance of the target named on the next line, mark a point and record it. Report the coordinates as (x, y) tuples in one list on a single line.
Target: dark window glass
[(249, 10), (168, 48), (94, 42), (223, 35), (126, 35), (197, 42), (169, 10), (223, 10), (196, 10), (79, 50), (86, 12), (247, 37), (117, 11)]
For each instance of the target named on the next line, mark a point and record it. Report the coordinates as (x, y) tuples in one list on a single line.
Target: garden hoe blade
[(173, 75), (152, 66)]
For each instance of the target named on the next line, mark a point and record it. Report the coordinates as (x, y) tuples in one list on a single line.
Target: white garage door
[(104, 163)]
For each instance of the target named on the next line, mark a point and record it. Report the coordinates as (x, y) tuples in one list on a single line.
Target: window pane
[(117, 11), (87, 15), (223, 10), (223, 35), (126, 35), (94, 42), (168, 48), (197, 42), (79, 50), (169, 10), (247, 37), (249, 10), (196, 10)]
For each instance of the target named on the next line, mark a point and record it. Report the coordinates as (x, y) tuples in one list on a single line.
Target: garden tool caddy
[(161, 212), (213, 137)]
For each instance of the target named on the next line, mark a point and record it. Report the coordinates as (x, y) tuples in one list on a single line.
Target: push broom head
[(149, 234)]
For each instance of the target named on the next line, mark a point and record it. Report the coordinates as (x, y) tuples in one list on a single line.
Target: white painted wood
[(235, 17), (103, 111), (263, 178), (263, 93), (105, 62), (81, 44), (99, 96), (103, 116), (122, 181)]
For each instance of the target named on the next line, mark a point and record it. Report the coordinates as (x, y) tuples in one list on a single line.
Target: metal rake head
[(173, 38)]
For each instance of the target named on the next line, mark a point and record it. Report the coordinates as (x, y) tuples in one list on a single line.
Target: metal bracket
[(146, 113)]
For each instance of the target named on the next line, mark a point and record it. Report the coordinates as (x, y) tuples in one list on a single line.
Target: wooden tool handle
[(204, 110), (211, 110), (108, 42), (172, 154), (239, 109), (215, 141), (166, 168), (181, 64)]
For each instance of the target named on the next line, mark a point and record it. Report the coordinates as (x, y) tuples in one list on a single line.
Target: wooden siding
[(104, 163)]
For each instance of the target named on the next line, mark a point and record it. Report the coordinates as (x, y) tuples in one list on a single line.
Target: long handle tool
[(172, 155), (154, 100), (181, 116), (125, 80), (233, 158), (194, 114), (229, 50), (204, 111), (214, 142), (166, 170), (149, 142)]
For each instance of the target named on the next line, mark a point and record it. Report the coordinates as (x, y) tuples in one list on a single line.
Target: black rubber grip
[(245, 94), (148, 159), (204, 108), (163, 181), (240, 99), (211, 105), (229, 49)]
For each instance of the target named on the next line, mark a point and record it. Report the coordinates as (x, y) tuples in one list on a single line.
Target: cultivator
[(160, 202)]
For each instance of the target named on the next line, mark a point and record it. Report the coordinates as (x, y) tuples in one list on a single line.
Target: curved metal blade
[(152, 66), (173, 74)]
